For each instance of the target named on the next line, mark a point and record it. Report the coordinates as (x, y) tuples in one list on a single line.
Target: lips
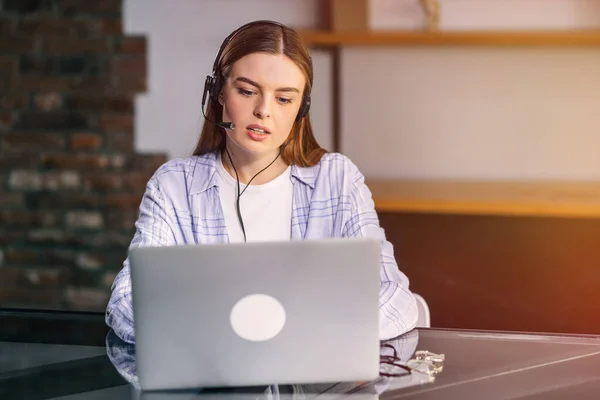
[(258, 129), (257, 137)]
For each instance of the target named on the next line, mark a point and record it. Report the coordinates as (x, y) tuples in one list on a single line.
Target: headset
[(214, 82)]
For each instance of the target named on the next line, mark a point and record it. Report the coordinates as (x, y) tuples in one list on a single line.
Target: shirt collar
[(205, 174), (306, 175)]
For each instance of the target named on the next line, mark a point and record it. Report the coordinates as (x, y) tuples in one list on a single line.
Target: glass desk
[(68, 356)]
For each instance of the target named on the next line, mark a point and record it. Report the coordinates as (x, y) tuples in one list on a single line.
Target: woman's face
[(262, 96)]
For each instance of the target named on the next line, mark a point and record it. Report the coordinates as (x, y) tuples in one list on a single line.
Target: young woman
[(258, 174)]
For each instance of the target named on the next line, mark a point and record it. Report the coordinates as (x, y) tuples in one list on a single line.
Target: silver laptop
[(183, 395), (256, 313)]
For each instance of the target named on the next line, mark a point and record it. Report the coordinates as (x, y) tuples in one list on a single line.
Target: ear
[(221, 99)]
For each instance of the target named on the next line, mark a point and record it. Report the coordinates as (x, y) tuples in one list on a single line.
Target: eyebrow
[(251, 82)]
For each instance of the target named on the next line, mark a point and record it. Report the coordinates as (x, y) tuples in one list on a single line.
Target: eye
[(284, 100), (245, 92)]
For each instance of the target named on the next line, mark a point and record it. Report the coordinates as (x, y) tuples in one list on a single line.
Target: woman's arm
[(152, 229), (398, 312)]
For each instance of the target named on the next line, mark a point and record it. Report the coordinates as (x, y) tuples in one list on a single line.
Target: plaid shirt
[(181, 205)]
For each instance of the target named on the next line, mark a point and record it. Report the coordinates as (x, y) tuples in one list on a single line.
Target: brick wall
[(70, 180)]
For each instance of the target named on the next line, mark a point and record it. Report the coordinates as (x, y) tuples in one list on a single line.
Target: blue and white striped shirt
[(181, 205)]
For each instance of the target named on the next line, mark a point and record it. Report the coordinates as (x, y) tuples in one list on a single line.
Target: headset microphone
[(226, 125)]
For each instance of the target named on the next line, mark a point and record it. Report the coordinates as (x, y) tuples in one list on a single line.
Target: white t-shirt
[(266, 209)]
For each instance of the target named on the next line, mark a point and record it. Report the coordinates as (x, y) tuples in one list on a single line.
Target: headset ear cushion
[(217, 84), (303, 108), (207, 88)]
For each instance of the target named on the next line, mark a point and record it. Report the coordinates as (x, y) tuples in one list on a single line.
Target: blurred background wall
[(419, 112), (71, 178)]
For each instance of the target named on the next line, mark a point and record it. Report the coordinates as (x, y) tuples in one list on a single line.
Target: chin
[(251, 147)]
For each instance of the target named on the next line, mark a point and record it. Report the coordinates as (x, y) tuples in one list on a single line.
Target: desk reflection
[(122, 356)]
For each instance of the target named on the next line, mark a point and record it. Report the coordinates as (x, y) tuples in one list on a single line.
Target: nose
[(262, 108)]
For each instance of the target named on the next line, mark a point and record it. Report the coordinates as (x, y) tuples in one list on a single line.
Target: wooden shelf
[(538, 199), (452, 38)]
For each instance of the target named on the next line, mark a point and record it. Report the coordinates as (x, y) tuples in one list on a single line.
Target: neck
[(248, 166)]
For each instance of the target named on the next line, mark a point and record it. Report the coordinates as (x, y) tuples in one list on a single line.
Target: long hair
[(302, 148)]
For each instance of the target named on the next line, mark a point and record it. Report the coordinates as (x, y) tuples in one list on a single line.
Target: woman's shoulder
[(332, 170), (181, 171), (337, 163)]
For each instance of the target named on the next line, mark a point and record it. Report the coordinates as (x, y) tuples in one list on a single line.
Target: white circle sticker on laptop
[(257, 317)]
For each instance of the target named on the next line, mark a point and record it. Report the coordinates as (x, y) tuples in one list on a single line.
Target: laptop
[(265, 395), (248, 314)]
